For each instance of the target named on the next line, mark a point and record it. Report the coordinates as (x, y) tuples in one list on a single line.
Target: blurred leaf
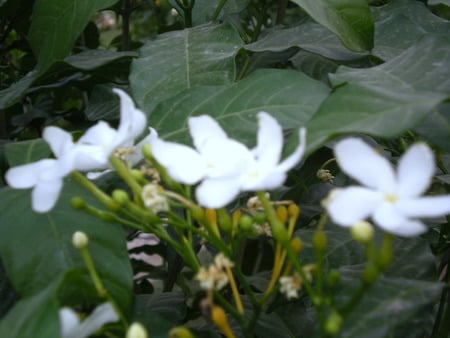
[(24, 152), (309, 36), (368, 100), (437, 2), (291, 97), (51, 36), (181, 60), (401, 23), (350, 20), (15, 92), (103, 104), (92, 59), (436, 127), (37, 248), (204, 9)]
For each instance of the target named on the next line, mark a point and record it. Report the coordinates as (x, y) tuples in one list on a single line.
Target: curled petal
[(182, 163), (217, 192), (68, 320), (363, 163), (203, 128), (27, 175), (392, 220), (59, 140), (132, 120), (296, 156), (45, 195), (428, 206), (415, 171), (100, 134), (269, 142), (350, 205)]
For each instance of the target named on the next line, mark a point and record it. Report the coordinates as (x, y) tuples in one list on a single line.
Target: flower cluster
[(225, 167), (90, 152), (392, 199), (215, 276)]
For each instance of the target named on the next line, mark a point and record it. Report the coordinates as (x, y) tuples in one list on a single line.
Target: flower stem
[(105, 199)]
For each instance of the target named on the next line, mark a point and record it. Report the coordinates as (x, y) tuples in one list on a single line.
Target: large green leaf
[(401, 23), (404, 90), (180, 60), (309, 36), (350, 20), (436, 127), (37, 248), (23, 152), (56, 24), (291, 97), (16, 91)]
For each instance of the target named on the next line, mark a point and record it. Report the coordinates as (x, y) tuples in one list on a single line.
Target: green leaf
[(103, 104), (437, 2), (309, 36), (350, 20), (180, 60), (37, 248), (96, 58), (16, 91), (368, 100), (436, 127), (204, 9), (56, 24), (401, 23), (24, 152), (291, 97)]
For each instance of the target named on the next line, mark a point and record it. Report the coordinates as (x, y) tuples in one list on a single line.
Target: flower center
[(390, 198)]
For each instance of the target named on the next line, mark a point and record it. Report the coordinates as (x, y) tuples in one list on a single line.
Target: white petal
[(363, 163), (204, 127), (45, 195), (390, 219), (102, 314), (100, 134), (428, 206), (350, 205), (270, 141), (89, 157), (296, 156), (225, 157), (217, 192), (182, 163), (69, 322), (58, 139), (137, 155), (132, 120), (258, 179), (415, 171), (27, 175)]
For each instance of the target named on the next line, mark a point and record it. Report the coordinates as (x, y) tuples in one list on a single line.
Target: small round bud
[(197, 213), (246, 222), (180, 332), (362, 232), (282, 213), (279, 232), (259, 217), (333, 277), (370, 273), (77, 202), (80, 240), (138, 176), (293, 210), (136, 330), (296, 244), (224, 220), (219, 317), (319, 240), (120, 196), (333, 324)]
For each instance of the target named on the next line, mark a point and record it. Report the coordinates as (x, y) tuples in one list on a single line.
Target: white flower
[(392, 199), (72, 327), (44, 177), (225, 166)]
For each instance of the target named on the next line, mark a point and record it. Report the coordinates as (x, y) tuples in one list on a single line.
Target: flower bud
[(136, 330), (362, 232), (219, 318), (180, 332), (279, 232), (138, 176), (77, 202), (120, 196), (282, 213), (333, 277), (259, 217), (296, 244), (224, 220), (80, 240), (293, 210), (333, 324), (235, 218), (370, 273), (246, 223), (319, 240), (198, 213)]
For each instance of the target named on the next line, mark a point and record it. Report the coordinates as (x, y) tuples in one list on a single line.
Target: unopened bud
[(77, 202), (120, 197), (246, 222), (279, 232), (180, 332), (296, 244), (333, 277), (219, 318), (138, 176), (197, 213), (333, 324), (362, 232), (282, 213), (235, 218), (136, 330), (259, 217), (224, 220), (319, 240), (293, 210), (370, 273), (80, 240)]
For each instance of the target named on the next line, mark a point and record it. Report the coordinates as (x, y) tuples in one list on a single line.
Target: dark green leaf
[(92, 59), (291, 97), (181, 60), (24, 152), (15, 92), (56, 24), (350, 20), (103, 104), (436, 127)]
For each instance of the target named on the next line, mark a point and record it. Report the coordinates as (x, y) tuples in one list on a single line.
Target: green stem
[(105, 199), (125, 173), (218, 9)]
